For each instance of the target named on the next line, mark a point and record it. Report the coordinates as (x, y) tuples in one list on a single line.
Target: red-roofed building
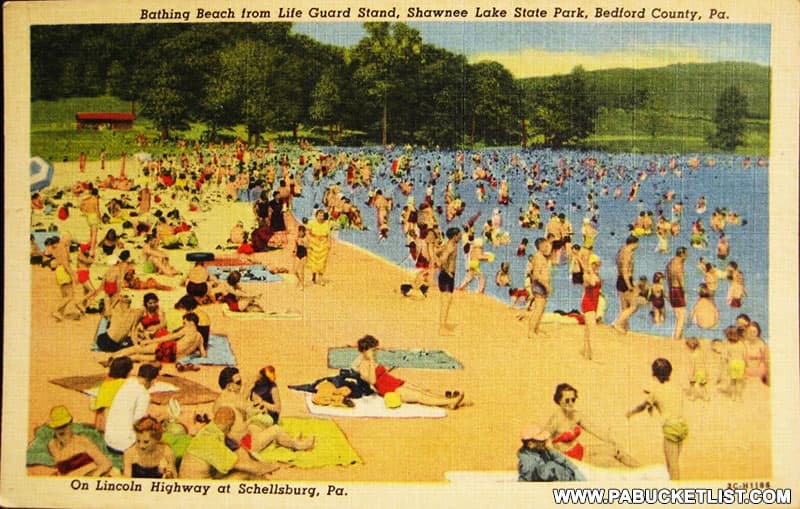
[(116, 121)]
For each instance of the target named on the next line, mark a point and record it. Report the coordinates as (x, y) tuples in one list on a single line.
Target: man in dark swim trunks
[(625, 287), (677, 293), (447, 255)]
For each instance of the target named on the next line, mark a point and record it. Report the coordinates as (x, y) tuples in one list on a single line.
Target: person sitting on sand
[(114, 277), (188, 304), (567, 424), (237, 236), (231, 293), (209, 457), (118, 371), (74, 455), (158, 258), (131, 403), (255, 426), (705, 313), (134, 282), (197, 282), (168, 348), (382, 382), (154, 321), (539, 463), (122, 326), (149, 458)]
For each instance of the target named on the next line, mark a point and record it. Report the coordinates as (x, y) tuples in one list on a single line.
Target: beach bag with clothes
[(346, 378)]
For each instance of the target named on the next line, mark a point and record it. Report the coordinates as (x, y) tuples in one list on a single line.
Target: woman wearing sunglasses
[(567, 424)]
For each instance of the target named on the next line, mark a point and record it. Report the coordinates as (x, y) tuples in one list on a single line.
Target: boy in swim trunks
[(698, 381), (665, 398), (65, 277)]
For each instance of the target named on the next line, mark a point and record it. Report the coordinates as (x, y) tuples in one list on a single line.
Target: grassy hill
[(683, 89), (686, 97)]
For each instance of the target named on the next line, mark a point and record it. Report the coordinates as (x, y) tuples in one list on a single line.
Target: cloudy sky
[(546, 48)]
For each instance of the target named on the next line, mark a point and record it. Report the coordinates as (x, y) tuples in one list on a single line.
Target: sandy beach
[(508, 378)]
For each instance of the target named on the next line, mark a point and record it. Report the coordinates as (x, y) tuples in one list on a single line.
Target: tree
[(729, 118), (326, 99), (565, 109), (491, 103), (383, 60)]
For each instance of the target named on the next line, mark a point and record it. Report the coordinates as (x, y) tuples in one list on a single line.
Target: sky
[(529, 49)]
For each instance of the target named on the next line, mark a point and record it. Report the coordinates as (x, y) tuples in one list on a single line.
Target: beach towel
[(331, 447), (413, 358), (227, 261), (218, 353), (589, 471), (186, 391), (37, 453), (40, 237), (249, 273), (241, 315), (373, 406)]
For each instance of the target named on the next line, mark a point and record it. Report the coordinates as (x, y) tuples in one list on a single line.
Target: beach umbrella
[(41, 173), (143, 157)]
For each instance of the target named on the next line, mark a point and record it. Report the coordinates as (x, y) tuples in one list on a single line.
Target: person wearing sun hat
[(539, 463), (73, 454)]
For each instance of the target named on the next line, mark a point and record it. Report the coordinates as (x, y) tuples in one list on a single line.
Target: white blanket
[(591, 472)]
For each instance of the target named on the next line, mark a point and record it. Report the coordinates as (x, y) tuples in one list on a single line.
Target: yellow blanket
[(331, 447)]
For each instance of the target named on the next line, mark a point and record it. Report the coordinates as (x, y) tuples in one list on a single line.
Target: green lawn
[(55, 137)]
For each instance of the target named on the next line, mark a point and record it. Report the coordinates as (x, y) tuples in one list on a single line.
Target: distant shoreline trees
[(391, 87)]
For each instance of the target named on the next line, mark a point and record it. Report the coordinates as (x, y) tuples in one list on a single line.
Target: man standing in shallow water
[(539, 275), (677, 289), (446, 255), (625, 287)]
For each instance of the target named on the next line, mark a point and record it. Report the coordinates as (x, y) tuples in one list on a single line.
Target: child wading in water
[(657, 298), (300, 252), (665, 397)]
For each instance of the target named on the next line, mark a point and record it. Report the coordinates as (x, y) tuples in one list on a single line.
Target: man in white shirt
[(129, 405)]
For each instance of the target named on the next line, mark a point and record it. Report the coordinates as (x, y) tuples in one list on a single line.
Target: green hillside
[(681, 89)]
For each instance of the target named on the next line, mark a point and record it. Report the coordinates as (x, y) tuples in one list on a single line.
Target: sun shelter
[(115, 121)]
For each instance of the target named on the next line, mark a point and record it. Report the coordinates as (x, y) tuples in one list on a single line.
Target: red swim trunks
[(83, 276), (110, 287), (677, 299), (167, 351), (591, 298)]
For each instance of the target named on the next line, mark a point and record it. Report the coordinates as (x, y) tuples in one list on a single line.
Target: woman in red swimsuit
[(591, 297), (567, 424), (383, 382)]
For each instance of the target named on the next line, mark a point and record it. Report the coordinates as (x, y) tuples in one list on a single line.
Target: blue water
[(726, 185)]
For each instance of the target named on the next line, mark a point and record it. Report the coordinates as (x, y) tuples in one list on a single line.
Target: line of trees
[(391, 87)]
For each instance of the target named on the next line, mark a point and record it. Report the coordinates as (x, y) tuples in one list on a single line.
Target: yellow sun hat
[(59, 416)]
